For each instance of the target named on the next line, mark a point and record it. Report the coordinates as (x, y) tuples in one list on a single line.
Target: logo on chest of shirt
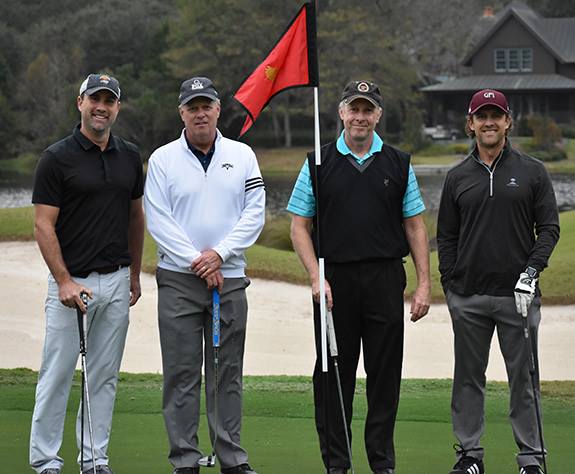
[(386, 181), (512, 183), (227, 165)]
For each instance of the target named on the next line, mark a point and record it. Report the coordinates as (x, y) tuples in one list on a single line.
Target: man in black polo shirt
[(89, 225), (369, 214)]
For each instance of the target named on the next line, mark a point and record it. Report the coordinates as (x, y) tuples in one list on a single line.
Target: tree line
[(47, 48)]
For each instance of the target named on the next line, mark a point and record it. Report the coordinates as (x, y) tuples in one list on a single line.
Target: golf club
[(82, 323), (210, 461), (334, 354), (533, 370)]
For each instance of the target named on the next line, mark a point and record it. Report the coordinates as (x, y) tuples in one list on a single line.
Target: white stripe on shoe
[(474, 469)]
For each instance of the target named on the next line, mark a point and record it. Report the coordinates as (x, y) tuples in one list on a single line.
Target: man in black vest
[(369, 219)]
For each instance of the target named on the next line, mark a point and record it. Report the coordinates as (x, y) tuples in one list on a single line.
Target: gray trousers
[(474, 319), (107, 328), (185, 321)]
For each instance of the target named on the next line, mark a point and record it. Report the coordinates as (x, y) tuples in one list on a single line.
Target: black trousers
[(367, 312)]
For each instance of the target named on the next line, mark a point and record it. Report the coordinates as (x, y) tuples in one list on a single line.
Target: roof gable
[(557, 35)]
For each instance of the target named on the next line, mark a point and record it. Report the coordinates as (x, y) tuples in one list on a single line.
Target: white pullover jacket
[(189, 210)]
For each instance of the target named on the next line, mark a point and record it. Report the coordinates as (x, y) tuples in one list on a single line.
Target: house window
[(527, 59), (513, 60)]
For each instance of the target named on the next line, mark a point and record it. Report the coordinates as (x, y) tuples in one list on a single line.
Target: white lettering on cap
[(363, 87), (197, 84), (489, 95)]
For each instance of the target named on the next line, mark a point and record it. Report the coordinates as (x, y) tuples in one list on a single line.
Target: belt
[(101, 270)]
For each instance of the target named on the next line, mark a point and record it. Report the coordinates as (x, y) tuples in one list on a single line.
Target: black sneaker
[(468, 465), (51, 470), (187, 470), (534, 469), (241, 469)]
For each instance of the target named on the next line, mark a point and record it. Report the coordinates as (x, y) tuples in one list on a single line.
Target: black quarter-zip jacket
[(494, 222)]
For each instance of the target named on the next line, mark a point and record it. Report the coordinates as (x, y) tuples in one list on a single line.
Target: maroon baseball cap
[(488, 97)]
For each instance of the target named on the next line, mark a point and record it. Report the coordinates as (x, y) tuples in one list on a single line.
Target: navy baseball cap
[(96, 82), (197, 87)]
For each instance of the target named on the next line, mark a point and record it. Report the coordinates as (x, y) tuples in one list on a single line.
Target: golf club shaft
[(334, 354), (85, 399), (533, 371), (90, 430), (216, 348)]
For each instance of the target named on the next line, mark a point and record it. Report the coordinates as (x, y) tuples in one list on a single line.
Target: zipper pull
[(490, 184)]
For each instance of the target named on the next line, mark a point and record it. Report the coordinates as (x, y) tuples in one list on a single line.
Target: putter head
[(208, 461)]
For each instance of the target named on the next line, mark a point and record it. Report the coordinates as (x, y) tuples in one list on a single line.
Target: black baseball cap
[(362, 90), (96, 82), (197, 87)]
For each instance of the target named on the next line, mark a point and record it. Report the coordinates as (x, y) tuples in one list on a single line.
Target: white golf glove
[(525, 290)]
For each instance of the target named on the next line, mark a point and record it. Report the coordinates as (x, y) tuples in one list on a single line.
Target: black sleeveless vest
[(360, 208)]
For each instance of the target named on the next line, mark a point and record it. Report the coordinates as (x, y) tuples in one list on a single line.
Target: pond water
[(17, 192), (279, 191)]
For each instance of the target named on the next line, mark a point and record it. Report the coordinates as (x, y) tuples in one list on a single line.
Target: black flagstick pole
[(321, 262)]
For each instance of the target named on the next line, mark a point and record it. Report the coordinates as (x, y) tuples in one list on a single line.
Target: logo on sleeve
[(512, 183)]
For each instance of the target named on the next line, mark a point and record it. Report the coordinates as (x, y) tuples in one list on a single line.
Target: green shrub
[(554, 154), (567, 130), (546, 133), (275, 233)]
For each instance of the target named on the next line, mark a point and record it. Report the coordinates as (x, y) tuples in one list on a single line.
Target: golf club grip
[(215, 318), (331, 335), (80, 316)]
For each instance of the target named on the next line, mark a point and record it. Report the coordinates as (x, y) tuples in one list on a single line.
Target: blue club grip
[(215, 318)]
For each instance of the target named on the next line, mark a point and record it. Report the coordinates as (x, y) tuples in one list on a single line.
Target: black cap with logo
[(197, 87), (96, 82), (362, 90)]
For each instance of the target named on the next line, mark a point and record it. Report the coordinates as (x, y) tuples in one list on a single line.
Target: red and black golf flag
[(292, 62)]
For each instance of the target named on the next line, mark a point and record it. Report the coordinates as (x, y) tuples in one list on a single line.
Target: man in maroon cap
[(497, 226)]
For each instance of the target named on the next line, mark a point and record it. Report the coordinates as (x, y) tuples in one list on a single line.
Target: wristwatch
[(532, 272)]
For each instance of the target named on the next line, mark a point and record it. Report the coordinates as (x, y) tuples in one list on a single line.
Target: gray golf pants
[(474, 319), (185, 321), (106, 334)]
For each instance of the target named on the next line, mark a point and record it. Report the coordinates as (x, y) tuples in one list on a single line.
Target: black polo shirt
[(93, 190)]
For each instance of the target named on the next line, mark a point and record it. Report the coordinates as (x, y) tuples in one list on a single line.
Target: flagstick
[(322, 305), (322, 299)]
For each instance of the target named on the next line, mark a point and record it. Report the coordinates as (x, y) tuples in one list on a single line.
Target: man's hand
[(316, 294), (69, 294), (135, 289), (214, 280), (420, 302), (525, 292), (206, 264)]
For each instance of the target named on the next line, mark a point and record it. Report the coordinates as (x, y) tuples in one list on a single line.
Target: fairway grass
[(278, 429)]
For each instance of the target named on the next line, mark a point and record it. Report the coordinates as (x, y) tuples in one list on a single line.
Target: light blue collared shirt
[(302, 199)]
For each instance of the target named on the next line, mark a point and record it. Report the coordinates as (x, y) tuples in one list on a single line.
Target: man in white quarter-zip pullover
[(205, 205)]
